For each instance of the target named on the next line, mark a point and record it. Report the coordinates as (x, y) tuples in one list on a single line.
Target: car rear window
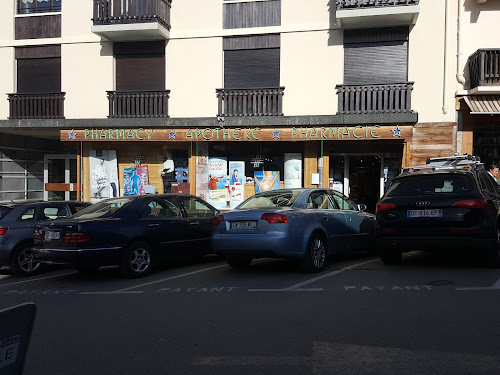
[(435, 184), (4, 211), (274, 199), (102, 209)]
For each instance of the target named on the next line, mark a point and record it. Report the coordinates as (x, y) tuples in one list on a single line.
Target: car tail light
[(3, 231), (218, 219), (76, 237), (37, 237), (381, 206), (274, 218), (470, 203)]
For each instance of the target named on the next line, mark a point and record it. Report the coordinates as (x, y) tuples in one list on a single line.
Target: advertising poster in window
[(202, 171), (142, 172), (217, 183), (266, 181), (128, 173), (293, 170), (236, 183), (103, 174)]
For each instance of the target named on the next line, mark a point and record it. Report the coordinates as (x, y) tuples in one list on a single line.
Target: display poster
[(218, 195), (236, 183), (103, 174), (181, 174), (129, 179), (266, 181), (293, 170), (202, 171), (142, 172)]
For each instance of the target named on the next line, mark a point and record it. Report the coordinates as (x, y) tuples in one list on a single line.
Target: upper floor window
[(38, 6)]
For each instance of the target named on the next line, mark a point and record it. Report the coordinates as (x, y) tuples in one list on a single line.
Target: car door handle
[(153, 226), (194, 223)]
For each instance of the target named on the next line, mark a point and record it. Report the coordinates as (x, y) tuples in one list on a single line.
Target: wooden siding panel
[(432, 140), (252, 14), (38, 27), (38, 52), (251, 42)]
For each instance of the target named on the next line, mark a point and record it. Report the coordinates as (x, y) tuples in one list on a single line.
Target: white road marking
[(288, 290), (298, 285), (170, 278), (251, 360), (131, 292), (38, 278)]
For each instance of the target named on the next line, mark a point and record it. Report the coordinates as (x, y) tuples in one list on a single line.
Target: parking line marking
[(98, 293), (170, 278), (287, 290), (38, 278), (298, 285), (495, 286)]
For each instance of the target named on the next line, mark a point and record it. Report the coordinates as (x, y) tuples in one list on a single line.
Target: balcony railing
[(108, 12), (388, 98), (356, 4), (127, 104), (37, 106), (484, 68), (250, 102)]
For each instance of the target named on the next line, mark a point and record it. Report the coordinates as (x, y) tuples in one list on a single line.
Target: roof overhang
[(377, 16)]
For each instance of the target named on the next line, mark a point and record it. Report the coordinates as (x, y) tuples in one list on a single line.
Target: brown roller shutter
[(254, 68), (39, 75)]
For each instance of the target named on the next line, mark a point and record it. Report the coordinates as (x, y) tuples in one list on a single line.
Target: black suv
[(449, 203), (17, 224)]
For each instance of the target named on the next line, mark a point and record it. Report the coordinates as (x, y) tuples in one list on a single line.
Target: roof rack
[(449, 162)]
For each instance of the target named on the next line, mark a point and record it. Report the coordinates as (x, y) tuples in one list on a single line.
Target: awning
[(483, 104)]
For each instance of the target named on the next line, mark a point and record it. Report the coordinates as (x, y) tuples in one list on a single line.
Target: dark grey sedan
[(17, 223), (305, 225)]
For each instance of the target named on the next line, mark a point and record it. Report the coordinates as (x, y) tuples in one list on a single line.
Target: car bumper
[(435, 244), (79, 257), (277, 245)]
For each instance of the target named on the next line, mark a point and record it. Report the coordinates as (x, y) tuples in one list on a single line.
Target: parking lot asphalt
[(431, 314)]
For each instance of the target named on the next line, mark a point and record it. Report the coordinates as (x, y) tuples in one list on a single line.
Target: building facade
[(339, 94)]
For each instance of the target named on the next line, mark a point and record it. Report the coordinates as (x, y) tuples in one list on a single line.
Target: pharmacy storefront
[(226, 165)]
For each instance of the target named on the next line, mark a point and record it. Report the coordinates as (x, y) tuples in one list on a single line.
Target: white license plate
[(51, 235), (244, 224), (424, 213)]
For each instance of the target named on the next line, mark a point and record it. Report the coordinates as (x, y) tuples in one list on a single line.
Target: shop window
[(38, 6)]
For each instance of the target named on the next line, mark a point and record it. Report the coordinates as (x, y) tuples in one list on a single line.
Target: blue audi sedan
[(305, 225)]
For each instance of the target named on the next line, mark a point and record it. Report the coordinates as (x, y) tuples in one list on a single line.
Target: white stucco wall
[(7, 81), (87, 73), (426, 65)]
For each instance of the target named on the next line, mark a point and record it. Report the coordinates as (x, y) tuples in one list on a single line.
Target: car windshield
[(435, 184), (271, 199), (102, 209)]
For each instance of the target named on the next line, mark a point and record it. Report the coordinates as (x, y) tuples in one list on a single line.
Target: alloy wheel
[(26, 261), (140, 260), (318, 253)]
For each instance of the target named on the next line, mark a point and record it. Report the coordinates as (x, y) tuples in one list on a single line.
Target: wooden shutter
[(255, 68), (252, 14), (140, 66), (39, 75), (376, 56)]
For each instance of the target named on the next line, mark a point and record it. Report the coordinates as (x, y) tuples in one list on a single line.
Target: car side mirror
[(362, 207)]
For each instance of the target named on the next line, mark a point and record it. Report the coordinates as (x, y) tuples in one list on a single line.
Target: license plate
[(424, 213), (244, 224), (51, 235)]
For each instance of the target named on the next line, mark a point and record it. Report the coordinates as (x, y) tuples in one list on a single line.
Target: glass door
[(60, 177)]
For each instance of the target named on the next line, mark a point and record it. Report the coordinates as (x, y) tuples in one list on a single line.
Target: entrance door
[(60, 177), (364, 180)]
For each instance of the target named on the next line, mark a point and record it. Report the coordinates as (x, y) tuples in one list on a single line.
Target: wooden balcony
[(353, 14), (369, 99), (250, 102), (129, 104), (36, 106), (131, 20), (484, 71)]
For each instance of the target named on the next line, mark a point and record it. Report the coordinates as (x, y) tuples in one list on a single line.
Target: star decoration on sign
[(276, 133), (72, 134), (172, 134), (397, 131)]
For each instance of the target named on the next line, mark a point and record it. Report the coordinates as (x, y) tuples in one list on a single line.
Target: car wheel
[(137, 260), (238, 261), (391, 256), (492, 255), (315, 257), (22, 262)]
